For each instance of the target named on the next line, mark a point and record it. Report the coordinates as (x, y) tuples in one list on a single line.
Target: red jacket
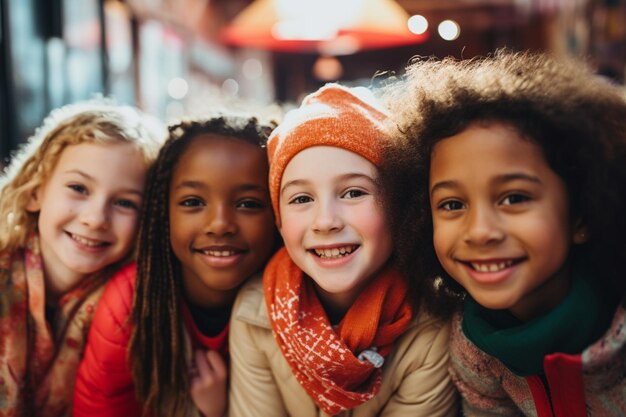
[(104, 385)]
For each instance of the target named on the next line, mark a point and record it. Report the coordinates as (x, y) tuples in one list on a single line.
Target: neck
[(210, 298), (545, 297)]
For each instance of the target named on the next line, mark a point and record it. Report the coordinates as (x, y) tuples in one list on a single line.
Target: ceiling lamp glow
[(449, 30), (418, 24), (308, 26)]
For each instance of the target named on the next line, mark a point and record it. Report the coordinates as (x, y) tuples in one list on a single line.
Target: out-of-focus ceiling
[(475, 14)]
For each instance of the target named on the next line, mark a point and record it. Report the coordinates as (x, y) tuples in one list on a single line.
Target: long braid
[(157, 347)]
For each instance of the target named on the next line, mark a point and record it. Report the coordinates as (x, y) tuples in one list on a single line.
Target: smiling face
[(221, 221), (88, 211), (500, 219), (332, 225)]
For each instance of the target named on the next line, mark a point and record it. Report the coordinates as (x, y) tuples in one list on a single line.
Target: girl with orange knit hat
[(331, 326)]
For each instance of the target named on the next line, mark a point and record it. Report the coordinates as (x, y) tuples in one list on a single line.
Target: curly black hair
[(577, 118), (157, 347)]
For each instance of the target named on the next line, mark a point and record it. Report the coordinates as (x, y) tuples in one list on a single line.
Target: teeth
[(219, 253), (493, 267), (334, 252), (86, 242)]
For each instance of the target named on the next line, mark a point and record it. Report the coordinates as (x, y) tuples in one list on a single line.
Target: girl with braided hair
[(69, 204), (158, 345)]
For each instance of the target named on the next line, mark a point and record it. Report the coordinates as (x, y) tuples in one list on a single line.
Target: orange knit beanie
[(334, 115)]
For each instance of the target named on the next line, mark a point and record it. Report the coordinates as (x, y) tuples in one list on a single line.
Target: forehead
[(210, 153), (486, 148), (325, 161), (89, 153), (118, 164)]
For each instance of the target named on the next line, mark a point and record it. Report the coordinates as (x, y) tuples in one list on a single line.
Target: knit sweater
[(590, 383)]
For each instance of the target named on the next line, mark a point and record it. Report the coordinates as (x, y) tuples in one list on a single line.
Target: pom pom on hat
[(334, 115)]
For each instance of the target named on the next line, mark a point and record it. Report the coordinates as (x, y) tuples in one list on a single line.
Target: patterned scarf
[(325, 361), (38, 361)]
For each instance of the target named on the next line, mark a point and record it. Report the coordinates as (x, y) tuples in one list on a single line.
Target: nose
[(483, 227), (221, 221), (327, 217), (95, 214)]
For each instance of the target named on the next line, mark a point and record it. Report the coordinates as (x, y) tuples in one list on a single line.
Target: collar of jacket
[(251, 304)]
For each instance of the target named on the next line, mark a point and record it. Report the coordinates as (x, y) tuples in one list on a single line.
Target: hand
[(208, 383)]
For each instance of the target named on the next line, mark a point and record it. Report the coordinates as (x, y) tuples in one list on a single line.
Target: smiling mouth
[(219, 253), (335, 253), (493, 266), (91, 243)]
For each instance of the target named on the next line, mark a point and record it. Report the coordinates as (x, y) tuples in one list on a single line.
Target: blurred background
[(174, 57)]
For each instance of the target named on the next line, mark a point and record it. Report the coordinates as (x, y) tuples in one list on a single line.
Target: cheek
[(261, 232), (443, 239), (549, 240), (372, 223), (127, 226), (177, 232), (292, 227)]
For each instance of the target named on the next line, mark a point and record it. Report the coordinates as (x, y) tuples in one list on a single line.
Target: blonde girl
[(68, 208)]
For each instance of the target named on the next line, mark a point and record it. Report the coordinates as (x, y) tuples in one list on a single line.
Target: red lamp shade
[(321, 26)]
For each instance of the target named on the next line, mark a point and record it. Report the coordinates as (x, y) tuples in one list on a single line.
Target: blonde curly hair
[(98, 121)]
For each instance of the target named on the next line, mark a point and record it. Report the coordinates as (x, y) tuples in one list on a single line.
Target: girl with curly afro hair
[(510, 215)]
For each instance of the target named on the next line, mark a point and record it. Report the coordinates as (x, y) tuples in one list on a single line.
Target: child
[(69, 203), (330, 328), (518, 167), (206, 228)]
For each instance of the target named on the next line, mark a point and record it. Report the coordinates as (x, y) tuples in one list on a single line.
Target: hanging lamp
[(329, 27)]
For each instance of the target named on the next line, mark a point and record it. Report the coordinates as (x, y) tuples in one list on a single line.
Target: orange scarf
[(323, 360), (38, 363)]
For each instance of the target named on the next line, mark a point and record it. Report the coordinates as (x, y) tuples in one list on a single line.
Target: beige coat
[(415, 377)]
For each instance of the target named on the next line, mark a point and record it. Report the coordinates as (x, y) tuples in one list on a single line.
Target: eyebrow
[(81, 173), (344, 177), (200, 185), (500, 179), (90, 178)]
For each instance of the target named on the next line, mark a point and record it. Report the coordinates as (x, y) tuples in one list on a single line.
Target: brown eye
[(191, 202), (515, 199), (451, 205)]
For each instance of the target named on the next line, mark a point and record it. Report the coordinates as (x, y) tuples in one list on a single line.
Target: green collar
[(578, 321)]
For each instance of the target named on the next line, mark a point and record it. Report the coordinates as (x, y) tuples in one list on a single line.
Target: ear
[(34, 202), (581, 233)]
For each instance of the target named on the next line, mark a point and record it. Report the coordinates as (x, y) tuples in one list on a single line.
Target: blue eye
[(515, 199), (127, 204), (452, 205), (81, 189)]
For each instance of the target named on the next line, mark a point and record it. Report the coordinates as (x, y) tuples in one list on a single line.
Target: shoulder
[(250, 304), (120, 290), (463, 352), (605, 356), (426, 339), (115, 306)]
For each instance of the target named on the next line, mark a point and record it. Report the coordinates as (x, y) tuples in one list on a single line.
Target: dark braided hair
[(157, 346)]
